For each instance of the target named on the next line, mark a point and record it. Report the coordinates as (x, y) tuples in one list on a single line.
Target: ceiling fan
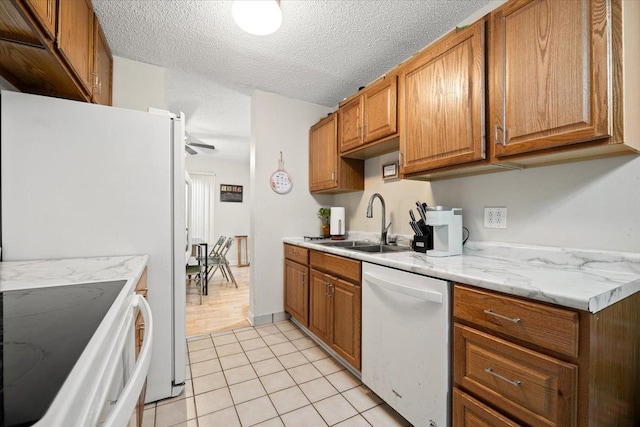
[(190, 142)]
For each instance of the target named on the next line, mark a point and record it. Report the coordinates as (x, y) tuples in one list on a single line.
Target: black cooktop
[(43, 331)]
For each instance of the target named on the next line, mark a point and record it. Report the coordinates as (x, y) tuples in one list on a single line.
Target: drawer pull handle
[(500, 316), (515, 383)]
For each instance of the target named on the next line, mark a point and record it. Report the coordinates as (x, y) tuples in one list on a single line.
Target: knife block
[(422, 243)]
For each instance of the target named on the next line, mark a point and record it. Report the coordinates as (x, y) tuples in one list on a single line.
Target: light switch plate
[(495, 217)]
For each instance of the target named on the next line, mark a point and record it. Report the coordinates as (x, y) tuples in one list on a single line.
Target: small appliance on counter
[(423, 238), (447, 230), (337, 226)]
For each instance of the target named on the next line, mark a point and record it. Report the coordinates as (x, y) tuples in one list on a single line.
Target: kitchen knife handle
[(421, 212), (416, 230)]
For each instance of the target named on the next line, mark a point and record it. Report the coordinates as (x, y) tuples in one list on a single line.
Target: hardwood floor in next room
[(226, 307)]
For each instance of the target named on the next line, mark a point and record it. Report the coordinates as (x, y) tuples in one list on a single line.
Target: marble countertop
[(16, 275), (588, 280)]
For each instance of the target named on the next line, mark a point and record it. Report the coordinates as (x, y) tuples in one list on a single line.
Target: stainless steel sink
[(380, 248), (346, 243)]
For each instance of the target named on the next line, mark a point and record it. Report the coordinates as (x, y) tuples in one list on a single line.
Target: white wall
[(231, 219), (137, 85), (399, 197), (591, 205), (278, 124)]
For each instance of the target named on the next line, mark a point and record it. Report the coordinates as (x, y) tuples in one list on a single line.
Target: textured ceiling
[(323, 52)]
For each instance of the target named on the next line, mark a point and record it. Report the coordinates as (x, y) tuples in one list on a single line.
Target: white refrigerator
[(85, 180)]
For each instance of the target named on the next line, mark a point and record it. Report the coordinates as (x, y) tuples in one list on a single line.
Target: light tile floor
[(269, 376)]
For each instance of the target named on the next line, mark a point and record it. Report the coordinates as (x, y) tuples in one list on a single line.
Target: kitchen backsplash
[(585, 205)]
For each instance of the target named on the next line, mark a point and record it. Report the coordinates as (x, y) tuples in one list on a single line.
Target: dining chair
[(217, 246), (221, 262)]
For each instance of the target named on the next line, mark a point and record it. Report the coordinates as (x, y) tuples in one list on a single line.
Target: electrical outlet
[(495, 217)]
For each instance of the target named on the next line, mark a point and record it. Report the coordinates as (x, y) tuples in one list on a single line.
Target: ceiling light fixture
[(259, 17)]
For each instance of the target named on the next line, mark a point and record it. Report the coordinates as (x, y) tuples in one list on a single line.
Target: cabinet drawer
[(532, 387), (468, 412), (549, 327), (297, 254), (340, 266)]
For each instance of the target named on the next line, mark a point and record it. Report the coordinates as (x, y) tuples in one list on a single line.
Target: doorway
[(211, 216)]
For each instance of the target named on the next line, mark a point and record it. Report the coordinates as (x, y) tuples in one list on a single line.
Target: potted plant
[(324, 214)]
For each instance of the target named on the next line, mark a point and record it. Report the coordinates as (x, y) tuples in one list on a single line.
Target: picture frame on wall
[(231, 193), (390, 171)]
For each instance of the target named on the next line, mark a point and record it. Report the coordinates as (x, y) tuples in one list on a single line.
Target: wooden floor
[(224, 308)]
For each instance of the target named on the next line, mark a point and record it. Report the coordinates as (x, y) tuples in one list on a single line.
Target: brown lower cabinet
[(468, 412), (335, 304), (323, 293), (521, 362), (296, 283), (335, 314), (296, 301)]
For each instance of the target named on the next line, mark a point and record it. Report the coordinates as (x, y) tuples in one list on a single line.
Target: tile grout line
[(277, 358)]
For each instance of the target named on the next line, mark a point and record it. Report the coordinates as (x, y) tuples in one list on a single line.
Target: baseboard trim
[(266, 318)]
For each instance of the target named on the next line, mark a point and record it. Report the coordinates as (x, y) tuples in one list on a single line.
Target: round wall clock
[(280, 179)]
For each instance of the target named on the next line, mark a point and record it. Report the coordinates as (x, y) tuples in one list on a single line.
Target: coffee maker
[(447, 230)]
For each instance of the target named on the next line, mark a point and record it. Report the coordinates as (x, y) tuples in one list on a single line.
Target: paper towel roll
[(337, 222)]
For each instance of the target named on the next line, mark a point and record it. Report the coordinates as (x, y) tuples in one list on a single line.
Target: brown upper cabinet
[(558, 81), (75, 38), (328, 172), (534, 82), (45, 12), (102, 67), (443, 101), (55, 48), (369, 117)]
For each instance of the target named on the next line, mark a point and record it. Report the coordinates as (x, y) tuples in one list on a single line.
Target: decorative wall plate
[(280, 180)]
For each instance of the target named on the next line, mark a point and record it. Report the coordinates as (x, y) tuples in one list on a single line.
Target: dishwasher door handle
[(403, 289)]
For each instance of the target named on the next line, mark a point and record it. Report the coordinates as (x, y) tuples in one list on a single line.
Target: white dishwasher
[(405, 343)]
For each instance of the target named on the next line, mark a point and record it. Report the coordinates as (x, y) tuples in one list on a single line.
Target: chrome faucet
[(385, 228)]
